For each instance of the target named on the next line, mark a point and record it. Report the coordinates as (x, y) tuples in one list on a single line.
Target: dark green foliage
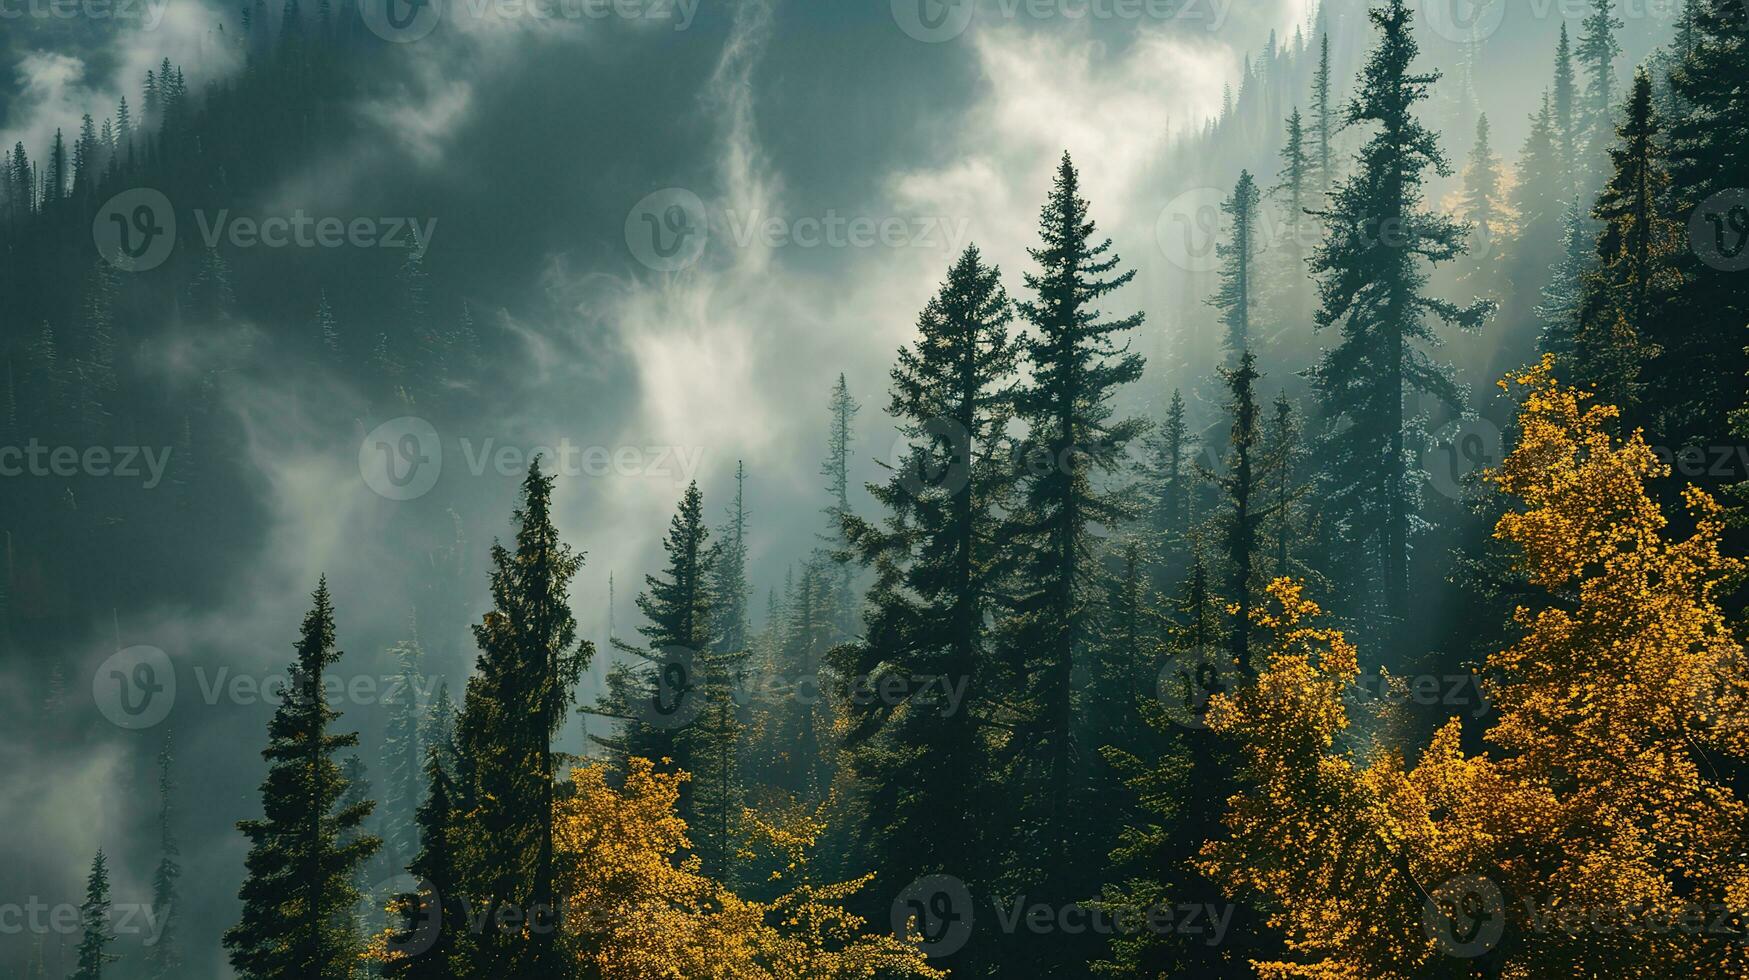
[(299, 897), (922, 761), (163, 957), (1371, 271), (95, 927), (1238, 254), (529, 662)]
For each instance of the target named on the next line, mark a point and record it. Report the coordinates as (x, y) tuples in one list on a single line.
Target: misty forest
[(512, 489)]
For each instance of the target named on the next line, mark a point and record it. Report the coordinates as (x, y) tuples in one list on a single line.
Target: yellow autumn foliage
[(1600, 835), (636, 910)]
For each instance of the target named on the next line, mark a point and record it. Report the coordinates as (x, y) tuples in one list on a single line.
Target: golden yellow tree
[(636, 910), (1600, 836)]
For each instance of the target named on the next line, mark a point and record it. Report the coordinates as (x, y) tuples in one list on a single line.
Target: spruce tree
[(1484, 210), (1709, 166), (1619, 320), (1371, 280), (1168, 478), (1283, 491), (1562, 297), (1324, 123), (836, 470), (1295, 195), (1538, 196), (1566, 118), (1244, 508), (163, 957), (432, 942), (529, 662), (1076, 361), (95, 926), (659, 692), (1238, 254), (1598, 49), (403, 753), (923, 765), (298, 899)]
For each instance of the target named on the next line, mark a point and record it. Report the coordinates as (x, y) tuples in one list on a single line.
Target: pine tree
[(530, 659), (923, 766), (94, 923), (1618, 324), (1295, 194), (1598, 49), (1709, 156), (299, 896), (1371, 281), (163, 957), (1537, 202), (1563, 296), (1239, 259), (1324, 123), (836, 469), (1484, 210), (403, 753), (1566, 119), (1283, 490), (1077, 361), (662, 689), (1245, 512), (432, 942), (729, 575), (1167, 476)]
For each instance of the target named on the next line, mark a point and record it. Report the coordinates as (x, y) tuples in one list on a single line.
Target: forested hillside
[(1343, 581)]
